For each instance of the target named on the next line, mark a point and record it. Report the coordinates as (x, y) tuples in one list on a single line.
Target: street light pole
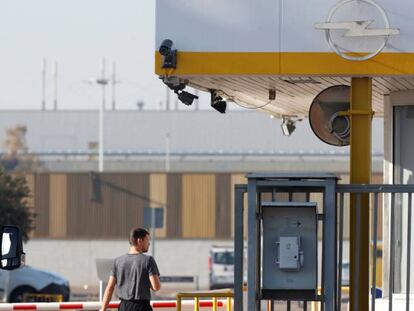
[(103, 81)]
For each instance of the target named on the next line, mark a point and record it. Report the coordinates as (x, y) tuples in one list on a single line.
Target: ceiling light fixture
[(288, 126), (217, 102)]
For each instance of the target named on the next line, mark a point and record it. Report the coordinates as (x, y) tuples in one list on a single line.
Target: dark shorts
[(135, 305)]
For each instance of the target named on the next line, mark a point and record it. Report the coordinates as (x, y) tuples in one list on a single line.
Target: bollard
[(196, 304), (214, 303), (229, 304)]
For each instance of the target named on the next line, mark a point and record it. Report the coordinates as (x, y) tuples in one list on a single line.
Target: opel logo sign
[(353, 29)]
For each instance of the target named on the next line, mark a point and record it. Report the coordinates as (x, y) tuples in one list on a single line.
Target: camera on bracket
[(178, 85), (169, 55), (174, 83)]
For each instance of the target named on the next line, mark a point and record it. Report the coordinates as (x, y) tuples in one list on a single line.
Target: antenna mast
[(55, 86), (43, 74)]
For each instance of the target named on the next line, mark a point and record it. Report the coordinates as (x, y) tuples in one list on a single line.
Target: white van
[(221, 267), (27, 280)]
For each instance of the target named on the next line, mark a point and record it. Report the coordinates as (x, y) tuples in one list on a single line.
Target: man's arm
[(108, 293), (155, 282)]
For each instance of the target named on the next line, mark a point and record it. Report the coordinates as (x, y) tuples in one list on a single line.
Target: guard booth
[(278, 57)]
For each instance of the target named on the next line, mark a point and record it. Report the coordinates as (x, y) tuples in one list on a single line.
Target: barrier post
[(196, 304), (178, 302), (229, 304), (214, 303)]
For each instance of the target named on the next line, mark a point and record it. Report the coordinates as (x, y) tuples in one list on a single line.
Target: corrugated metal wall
[(223, 206), (174, 202), (84, 206), (107, 209), (41, 206), (58, 205)]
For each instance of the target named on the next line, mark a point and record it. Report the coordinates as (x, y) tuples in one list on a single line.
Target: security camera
[(169, 55), (165, 47), (187, 98)]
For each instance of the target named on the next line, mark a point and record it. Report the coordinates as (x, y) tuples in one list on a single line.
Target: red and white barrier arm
[(57, 306)]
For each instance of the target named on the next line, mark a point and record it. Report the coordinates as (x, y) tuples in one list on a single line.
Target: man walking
[(134, 274)]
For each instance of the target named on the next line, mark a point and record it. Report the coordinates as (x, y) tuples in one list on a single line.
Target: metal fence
[(396, 205)]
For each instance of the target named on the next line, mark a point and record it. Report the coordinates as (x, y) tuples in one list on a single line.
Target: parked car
[(27, 280), (221, 267)]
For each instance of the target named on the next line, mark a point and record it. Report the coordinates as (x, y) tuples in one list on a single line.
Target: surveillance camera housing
[(165, 47), (169, 55), (187, 98)]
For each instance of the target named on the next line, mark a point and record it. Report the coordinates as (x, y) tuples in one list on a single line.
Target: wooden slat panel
[(41, 206), (198, 213), (174, 205), (158, 194), (238, 179), (223, 206), (57, 205)]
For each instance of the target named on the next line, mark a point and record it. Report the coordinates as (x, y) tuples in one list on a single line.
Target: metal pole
[(329, 253), (341, 246), (238, 245), (407, 298), (360, 173), (374, 255), (167, 98), (100, 290), (391, 278), (55, 87), (253, 260), (113, 85), (103, 82), (43, 73)]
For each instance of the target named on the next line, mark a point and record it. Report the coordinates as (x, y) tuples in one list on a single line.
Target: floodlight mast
[(113, 86), (55, 85), (43, 74), (103, 82)]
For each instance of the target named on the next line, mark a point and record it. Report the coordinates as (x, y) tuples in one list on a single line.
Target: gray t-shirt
[(132, 273)]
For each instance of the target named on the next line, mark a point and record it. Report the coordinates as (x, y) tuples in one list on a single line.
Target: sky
[(77, 34)]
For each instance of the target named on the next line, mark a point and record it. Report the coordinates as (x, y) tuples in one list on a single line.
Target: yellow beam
[(285, 63), (360, 173)]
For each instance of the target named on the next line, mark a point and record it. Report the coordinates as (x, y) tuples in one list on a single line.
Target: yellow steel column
[(360, 173)]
